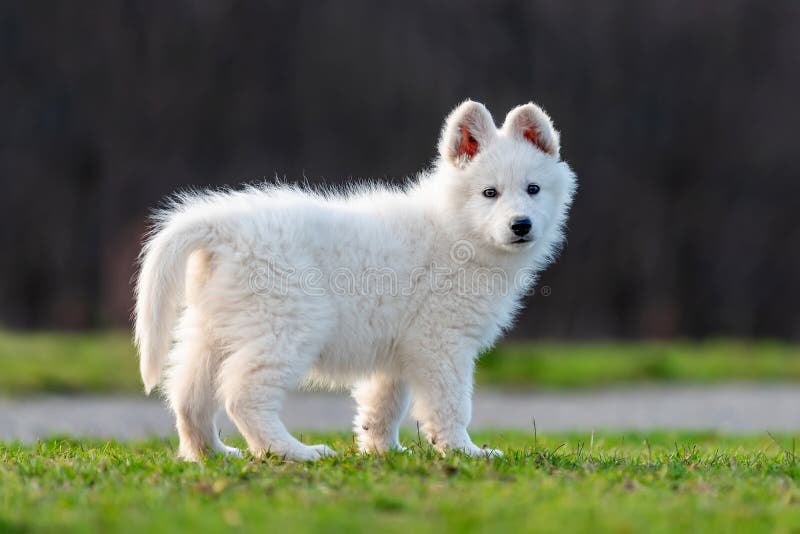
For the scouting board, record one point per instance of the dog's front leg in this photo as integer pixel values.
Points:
(382, 405)
(442, 388)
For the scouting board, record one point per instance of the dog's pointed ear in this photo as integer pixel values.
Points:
(530, 123)
(466, 132)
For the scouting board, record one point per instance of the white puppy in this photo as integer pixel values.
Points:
(391, 291)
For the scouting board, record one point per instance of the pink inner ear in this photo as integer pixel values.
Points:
(468, 145)
(532, 135)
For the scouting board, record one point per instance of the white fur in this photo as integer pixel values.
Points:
(242, 343)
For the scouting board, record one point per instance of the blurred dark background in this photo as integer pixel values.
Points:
(679, 117)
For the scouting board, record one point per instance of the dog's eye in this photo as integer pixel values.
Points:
(490, 192)
(533, 189)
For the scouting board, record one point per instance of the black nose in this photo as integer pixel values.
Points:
(521, 227)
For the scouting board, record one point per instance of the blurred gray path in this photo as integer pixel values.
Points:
(733, 408)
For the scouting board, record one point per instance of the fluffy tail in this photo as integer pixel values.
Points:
(160, 287)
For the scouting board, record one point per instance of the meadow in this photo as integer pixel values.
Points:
(105, 362)
(665, 481)
(658, 482)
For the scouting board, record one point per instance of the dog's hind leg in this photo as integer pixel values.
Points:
(382, 404)
(190, 390)
(253, 382)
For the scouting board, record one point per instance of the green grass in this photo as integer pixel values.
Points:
(67, 363)
(661, 482)
(106, 362)
(580, 365)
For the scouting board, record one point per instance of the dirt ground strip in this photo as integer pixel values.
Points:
(732, 408)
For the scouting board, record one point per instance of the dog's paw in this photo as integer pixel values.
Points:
(372, 449)
(323, 451)
(480, 452)
(398, 449)
(310, 453)
(491, 453)
(194, 456)
(224, 450)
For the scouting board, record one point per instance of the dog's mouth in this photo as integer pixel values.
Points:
(522, 241)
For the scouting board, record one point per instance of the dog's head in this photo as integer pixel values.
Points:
(506, 187)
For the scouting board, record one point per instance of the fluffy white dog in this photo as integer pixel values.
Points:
(394, 292)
